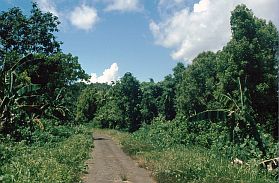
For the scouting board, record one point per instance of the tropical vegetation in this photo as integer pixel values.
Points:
(188, 127)
(39, 138)
(219, 109)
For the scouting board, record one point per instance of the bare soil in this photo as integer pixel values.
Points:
(110, 164)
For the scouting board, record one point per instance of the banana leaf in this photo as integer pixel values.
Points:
(27, 89)
(22, 61)
(211, 115)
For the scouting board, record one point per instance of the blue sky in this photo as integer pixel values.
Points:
(145, 37)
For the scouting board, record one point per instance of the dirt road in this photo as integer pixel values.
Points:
(111, 164)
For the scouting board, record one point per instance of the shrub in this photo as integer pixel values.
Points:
(181, 164)
(53, 132)
(61, 159)
(86, 105)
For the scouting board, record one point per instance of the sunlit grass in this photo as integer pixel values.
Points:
(189, 164)
(197, 165)
(60, 162)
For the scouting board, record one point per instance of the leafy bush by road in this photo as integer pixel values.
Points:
(60, 159)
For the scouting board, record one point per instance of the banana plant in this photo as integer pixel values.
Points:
(56, 107)
(14, 95)
(238, 114)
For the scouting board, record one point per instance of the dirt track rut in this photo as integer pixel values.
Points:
(111, 165)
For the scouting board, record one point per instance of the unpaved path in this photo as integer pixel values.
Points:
(111, 164)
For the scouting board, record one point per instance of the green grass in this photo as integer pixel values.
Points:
(197, 165)
(193, 164)
(53, 162)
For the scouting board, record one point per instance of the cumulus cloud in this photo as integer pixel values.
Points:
(123, 5)
(205, 26)
(84, 17)
(201, 6)
(109, 75)
(48, 6)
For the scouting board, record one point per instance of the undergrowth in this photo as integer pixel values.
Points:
(56, 154)
(185, 164)
(178, 157)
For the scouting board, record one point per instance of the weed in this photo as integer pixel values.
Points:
(123, 176)
(53, 162)
(178, 163)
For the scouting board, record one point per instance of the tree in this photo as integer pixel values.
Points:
(252, 56)
(151, 93)
(170, 84)
(167, 99)
(195, 92)
(178, 71)
(58, 70)
(127, 95)
(21, 34)
(247, 78)
(71, 95)
(87, 105)
(33, 34)
(108, 115)
(238, 114)
(17, 106)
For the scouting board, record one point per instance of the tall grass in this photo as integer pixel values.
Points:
(181, 163)
(52, 162)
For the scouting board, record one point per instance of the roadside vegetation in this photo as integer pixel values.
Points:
(212, 121)
(187, 128)
(40, 141)
(169, 160)
(58, 155)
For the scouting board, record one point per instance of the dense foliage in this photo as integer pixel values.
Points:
(225, 100)
(169, 161)
(223, 105)
(36, 76)
(56, 155)
(158, 149)
(38, 94)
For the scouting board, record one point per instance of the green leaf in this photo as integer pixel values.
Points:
(212, 115)
(22, 61)
(27, 89)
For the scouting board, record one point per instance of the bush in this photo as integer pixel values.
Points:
(164, 134)
(108, 116)
(52, 132)
(191, 163)
(87, 105)
(61, 159)
(161, 133)
(180, 151)
(198, 165)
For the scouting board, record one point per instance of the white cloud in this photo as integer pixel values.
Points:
(205, 26)
(201, 6)
(109, 75)
(267, 9)
(123, 5)
(84, 17)
(48, 6)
